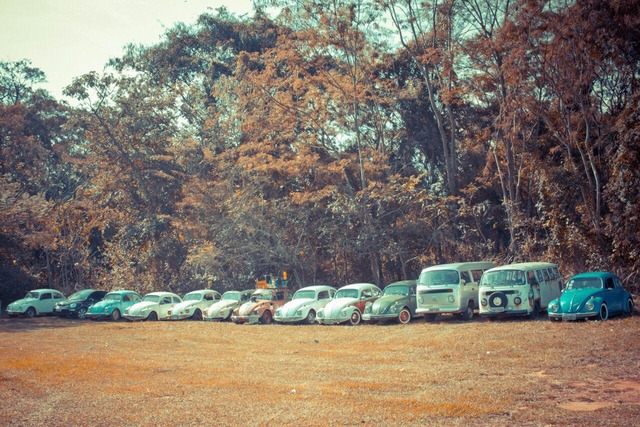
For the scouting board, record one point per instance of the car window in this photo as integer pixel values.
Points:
(531, 278)
(477, 275)
(176, 300)
(135, 298)
(545, 273)
(125, 298)
(539, 276)
(464, 275)
(323, 295)
(412, 290)
(46, 296)
(556, 273)
(367, 293)
(166, 300)
(608, 284)
(617, 282)
(217, 296)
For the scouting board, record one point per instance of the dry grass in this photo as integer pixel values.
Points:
(64, 372)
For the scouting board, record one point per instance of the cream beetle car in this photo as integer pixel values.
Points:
(38, 301)
(194, 304)
(231, 300)
(154, 306)
(305, 304)
(348, 304)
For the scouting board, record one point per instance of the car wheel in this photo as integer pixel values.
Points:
(82, 313)
(629, 310)
(197, 315)
(115, 315)
(229, 316)
(405, 316)
(265, 319)
(603, 314)
(355, 318)
(153, 316)
(467, 314)
(428, 318)
(31, 312)
(311, 318)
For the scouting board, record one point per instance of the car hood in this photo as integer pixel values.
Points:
(216, 306)
(385, 301)
(290, 308)
(573, 300)
(68, 302)
(335, 306)
(100, 305)
(248, 307)
(141, 306)
(185, 304)
(24, 301)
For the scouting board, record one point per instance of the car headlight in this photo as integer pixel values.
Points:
(554, 306)
(589, 305)
(106, 310)
(320, 313)
(394, 308)
(517, 300)
(299, 312)
(73, 305)
(343, 312)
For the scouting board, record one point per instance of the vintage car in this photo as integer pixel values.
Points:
(38, 301)
(305, 304)
(78, 303)
(595, 295)
(348, 304)
(194, 304)
(398, 302)
(113, 305)
(154, 306)
(231, 300)
(262, 304)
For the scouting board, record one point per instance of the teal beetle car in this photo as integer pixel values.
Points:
(594, 295)
(113, 305)
(398, 302)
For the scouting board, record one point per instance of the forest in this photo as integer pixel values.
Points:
(339, 141)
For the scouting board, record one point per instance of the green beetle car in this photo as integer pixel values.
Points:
(113, 305)
(398, 302)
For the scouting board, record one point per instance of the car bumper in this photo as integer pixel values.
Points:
(15, 312)
(368, 317)
(433, 310)
(179, 316)
(254, 318)
(65, 312)
(571, 316)
(503, 312)
(332, 320)
(214, 318)
(135, 316)
(284, 319)
(98, 315)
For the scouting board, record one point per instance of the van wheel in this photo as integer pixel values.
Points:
(603, 314)
(429, 318)
(535, 313)
(405, 316)
(467, 314)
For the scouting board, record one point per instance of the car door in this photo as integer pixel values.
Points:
(164, 307)
(366, 295)
(614, 294)
(45, 303)
(412, 300)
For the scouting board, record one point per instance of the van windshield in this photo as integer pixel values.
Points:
(439, 277)
(503, 278)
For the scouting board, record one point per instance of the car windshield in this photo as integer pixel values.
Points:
(233, 296)
(192, 297)
(32, 294)
(151, 298)
(584, 283)
(262, 296)
(347, 293)
(113, 297)
(81, 295)
(396, 290)
(304, 295)
(439, 277)
(502, 278)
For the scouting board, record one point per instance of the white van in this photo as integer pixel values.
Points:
(522, 289)
(450, 288)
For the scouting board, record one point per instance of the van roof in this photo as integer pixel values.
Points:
(525, 266)
(457, 265)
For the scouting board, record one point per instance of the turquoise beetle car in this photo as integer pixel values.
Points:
(398, 302)
(113, 305)
(594, 295)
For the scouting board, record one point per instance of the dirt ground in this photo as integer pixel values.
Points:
(59, 372)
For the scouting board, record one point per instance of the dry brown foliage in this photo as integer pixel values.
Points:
(514, 372)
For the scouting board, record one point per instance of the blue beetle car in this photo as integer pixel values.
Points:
(113, 305)
(594, 295)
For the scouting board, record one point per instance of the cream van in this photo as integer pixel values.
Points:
(522, 289)
(450, 288)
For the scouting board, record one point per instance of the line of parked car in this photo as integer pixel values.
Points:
(459, 289)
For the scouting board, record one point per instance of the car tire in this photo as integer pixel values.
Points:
(30, 313)
(266, 317)
(82, 313)
(229, 316)
(404, 316)
(355, 318)
(197, 315)
(428, 318)
(115, 315)
(467, 314)
(311, 318)
(153, 316)
(603, 313)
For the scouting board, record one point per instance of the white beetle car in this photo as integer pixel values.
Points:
(222, 309)
(305, 304)
(194, 304)
(348, 304)
(154, 306)
(39, 301)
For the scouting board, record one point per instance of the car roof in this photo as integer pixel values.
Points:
(202, 291)
(317, 288)
(403, 282)
(162, 294)
(46, 290)
(597, 274)
(359, 286)
(459, 265)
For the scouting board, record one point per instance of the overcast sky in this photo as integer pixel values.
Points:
(68, 38)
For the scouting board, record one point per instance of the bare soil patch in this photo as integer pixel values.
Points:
(514, 372)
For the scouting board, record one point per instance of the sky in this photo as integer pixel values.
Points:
(68, 38)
